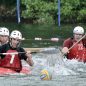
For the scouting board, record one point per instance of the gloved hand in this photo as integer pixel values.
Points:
(65, 50)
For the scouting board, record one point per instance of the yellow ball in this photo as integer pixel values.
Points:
(45, 75)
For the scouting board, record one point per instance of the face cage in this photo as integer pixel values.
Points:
(10, 41)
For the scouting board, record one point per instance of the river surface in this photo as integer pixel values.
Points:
(64, 72)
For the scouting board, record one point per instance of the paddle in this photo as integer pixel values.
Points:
(46, 49)
(41, 39)
(38, 50)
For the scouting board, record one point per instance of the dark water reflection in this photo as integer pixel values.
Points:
(35, 44)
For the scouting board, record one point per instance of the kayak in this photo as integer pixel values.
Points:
(25, 70)
(6, 71)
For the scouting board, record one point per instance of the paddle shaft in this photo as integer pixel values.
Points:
(37, 39)
(41, 39)
(33, 51)
(12, 53)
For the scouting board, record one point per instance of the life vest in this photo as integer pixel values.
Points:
(77, 52)
(11, 61)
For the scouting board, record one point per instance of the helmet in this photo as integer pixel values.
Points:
(16, 34)
(78, 30)
(45, 75)
(4, 31)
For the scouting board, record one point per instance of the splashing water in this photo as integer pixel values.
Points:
(64, 72)
(57, 64)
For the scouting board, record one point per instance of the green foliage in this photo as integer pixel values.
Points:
(7, 7)
(73, 10)
(41, 11)
(82, 14)
(45, 11)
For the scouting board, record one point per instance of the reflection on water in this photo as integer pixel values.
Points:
(65, 72)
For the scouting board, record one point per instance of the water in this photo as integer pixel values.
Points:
(64, 72)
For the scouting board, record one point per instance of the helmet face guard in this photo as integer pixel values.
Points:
(11, 43)
(15, 35)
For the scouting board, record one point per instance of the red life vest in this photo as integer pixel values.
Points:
(78, 52)
(11, 61)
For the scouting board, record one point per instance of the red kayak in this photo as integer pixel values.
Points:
(6, 71)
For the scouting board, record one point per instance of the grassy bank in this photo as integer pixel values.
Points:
(43, 31)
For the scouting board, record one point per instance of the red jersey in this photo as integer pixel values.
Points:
(78, 51)
(12, 61)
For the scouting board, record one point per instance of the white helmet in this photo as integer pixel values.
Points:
(16, 34)
(78, 30)
(4, 31)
